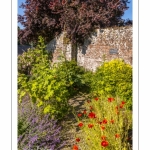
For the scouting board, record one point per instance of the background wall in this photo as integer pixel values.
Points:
(104, 44)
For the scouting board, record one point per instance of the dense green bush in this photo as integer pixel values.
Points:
(74, 77)
(45, 89)
(49, 86)
(114, 78)
(33, 57)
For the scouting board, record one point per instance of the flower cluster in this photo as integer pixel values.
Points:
(107, 124)
(40, 131)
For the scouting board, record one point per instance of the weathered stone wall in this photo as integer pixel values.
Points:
(104, 44)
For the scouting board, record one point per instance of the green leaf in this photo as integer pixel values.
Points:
(47, 109)
(40, 104)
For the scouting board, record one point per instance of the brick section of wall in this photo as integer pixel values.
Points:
(105, 44)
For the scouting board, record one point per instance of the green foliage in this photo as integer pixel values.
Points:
(50, 87)
(33, 57)
(114, 78)
(46, 90)
(22, 126)
(74, 77)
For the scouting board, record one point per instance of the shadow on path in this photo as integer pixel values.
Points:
(70, 128)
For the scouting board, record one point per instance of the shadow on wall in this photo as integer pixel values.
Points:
(22, 48)
(51, 46)
(87, 42)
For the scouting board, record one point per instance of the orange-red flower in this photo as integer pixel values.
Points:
(102, 127)
(117, 135)
(79, 115)
(90, 125)
(104, 143)
(103, 137)
(96, 98)
(75, 147)
(77, 139)
(104, 121)
(112, 121)
(121, 106)
(110, 99)
(92, 115)
(123, 102)
(80, 124)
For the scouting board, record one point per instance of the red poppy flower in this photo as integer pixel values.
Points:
(80, 124)
(112, 121)
(102, 127)
(110, 99)
(92, 115)
(96, 98)
(117, 135)
(104, 143)
(123, 102)
(103, 137)
(77, 139)
(104, 121)
(75, 147)
(79, 115)
(90, 125)
(84, 112)
(121, 106)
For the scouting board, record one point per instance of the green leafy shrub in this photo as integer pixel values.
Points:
(114, 78)
(37, 78)
(74, 76)
(33, 57)
(45, 89)
(52, 86)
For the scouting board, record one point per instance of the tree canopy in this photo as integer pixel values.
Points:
(78, 18)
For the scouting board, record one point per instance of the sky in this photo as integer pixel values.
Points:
(127, 14)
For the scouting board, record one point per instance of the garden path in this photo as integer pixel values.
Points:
(70, 123)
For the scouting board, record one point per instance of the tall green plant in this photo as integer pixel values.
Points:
(33, 57)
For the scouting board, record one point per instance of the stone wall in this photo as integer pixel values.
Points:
(104, 44)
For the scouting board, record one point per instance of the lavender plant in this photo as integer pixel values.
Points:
(37, 131)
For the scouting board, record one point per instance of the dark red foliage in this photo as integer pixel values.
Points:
(37, 20)
(77, 17)
(80, 17)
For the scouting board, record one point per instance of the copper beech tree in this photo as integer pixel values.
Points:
(78, 18)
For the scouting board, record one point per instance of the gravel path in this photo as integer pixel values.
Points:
(70, 124)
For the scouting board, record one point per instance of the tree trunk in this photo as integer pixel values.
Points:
(74, 52)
